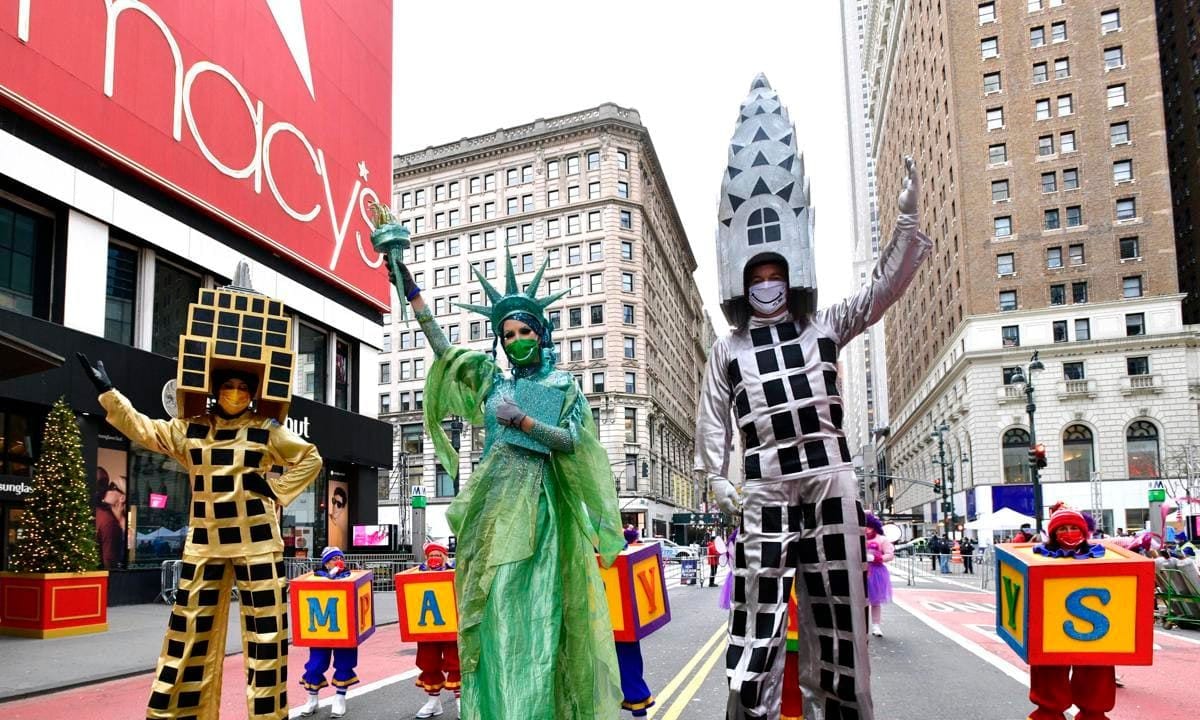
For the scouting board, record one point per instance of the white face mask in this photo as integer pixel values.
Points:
(768, 296)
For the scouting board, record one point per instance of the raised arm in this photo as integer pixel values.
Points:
(898, 264)
(167, 437)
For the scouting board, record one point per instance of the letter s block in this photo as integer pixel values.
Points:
(1067, 611)
(331, 613)
(428, 609)
(636, 590)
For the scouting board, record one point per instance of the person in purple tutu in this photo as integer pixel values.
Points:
(879, 581)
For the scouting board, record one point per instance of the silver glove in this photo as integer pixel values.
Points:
(911, 193)
(728, 497)
(508, 413)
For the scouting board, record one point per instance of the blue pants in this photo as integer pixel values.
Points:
(944, 563)
(633, 682)
(344, 660)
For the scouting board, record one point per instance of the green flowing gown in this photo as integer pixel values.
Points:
(534, 640)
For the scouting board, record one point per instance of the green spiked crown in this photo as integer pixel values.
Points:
(513, 300)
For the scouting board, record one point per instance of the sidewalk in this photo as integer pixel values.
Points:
(130, 647)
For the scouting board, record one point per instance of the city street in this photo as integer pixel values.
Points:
(939, 656)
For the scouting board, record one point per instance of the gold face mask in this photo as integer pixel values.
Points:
(233, 400)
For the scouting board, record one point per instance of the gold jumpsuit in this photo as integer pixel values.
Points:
(233, 536)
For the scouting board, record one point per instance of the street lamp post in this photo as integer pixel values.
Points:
(947, 481)
(1035, 365)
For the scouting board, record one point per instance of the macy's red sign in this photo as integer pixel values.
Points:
(274, 115)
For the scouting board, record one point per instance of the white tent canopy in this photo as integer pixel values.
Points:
(1002, 519)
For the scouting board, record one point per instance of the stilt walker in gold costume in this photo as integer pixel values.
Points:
(237, 352)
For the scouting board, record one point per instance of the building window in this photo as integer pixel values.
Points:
(553, 229)
(598, 382)
(385, 403)
(596, 283)
(574, 254)
(1075, 254)
(120, 294)
(999, 190)
(1066, 142)
(1060, 331)
(1141, 449)
(1074, 216)
(987, 12)
(475, 185)
(551, 198)
(405, 372)
(1062, 68)
(1008, 300)
(1046, 145)
(630, 347)
(597, 348)
(1058, 294)
(622, 160)
(1116, 95)
(997, 154)
(174, 289)
(573, 194)
(489, 210)
(418, 197)
(575, 317)
(1070, 179)
(626, 250)
(1010, 336)
(1079, 292)
(1126, 209)
(418, 400)
(622, 189)
(631, 426)
(1078, 455)
(1066, 105)
(1002, 226)
(312, 357)
(1110, 21)
(475, 329)
(512, 177)
(443, 483)
(1137, 365)
(627, 282)
(576, 351)
(512, 206)
(593, 218)
(1058, 31)
(1050, 219)
(1114, 57)
(995, 118)
(1049, 182)
(1015, 443)
(1005, 264)
(1041, 109)
(1131, 287)
(526, 174)
(1135, 324)
(1130, 248)
(989, 47)
(1118, 133)
(593, 160)
(1054, 258)
(573, 165)
(1037, 36)
(489, 181)
(597, 314)
(627, 314)
(553, 257)
(626, 220)
(1033, 5)
(573, 227)
(1073, 371)
(630, 382)
(1009, 373)
(551, 169)
(1040, 73)
(991, 82)
(593, 190)
(1083, 329)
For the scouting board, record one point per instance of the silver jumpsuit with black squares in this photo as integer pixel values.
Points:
(802, 520)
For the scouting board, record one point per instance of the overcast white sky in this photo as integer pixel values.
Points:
(468, 68)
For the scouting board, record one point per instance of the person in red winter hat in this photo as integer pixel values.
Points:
(437, 660)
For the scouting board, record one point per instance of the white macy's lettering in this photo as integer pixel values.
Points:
(259, 163)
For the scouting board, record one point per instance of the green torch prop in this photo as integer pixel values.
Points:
(390, 239)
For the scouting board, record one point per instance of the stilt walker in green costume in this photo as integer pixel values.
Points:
(535, 641)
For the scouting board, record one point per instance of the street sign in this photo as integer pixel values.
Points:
(416, 490)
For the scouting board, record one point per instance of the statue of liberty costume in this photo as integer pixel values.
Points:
(535, 640)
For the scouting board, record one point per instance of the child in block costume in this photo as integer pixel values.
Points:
(774, 380)
(637, 696)
(232, 395)
(879, 581)
(437, 660)
(344, 659)
(1054, 688)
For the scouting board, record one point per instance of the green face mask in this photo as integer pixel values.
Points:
(523, 353)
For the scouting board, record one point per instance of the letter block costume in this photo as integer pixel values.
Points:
(233, 535)
(801, 517)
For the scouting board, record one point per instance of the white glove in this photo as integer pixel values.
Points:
(912, 188)
(871, 557)
(728, 497)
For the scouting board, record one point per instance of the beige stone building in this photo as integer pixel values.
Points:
(586, 191)
(1038, 129)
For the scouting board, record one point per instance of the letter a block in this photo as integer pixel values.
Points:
(638, 603)
(427, 605)
(332, 613)
(1068, 611)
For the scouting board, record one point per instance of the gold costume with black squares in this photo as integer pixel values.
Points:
(233, 534)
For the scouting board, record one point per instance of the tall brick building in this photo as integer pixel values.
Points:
(1038, 127)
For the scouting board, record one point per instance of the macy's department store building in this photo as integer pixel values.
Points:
(114, 214)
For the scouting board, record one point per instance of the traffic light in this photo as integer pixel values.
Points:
(1037, 455)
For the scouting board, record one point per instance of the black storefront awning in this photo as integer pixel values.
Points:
(339, 434)
(18, 358)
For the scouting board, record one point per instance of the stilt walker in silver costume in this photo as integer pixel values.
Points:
(775, 376)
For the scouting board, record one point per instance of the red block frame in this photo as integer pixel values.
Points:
(349, 586)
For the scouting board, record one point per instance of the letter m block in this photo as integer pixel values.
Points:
(329, 613)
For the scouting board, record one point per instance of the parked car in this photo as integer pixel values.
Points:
(672, 550)
(913, 547)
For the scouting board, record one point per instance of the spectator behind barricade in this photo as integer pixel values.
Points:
(714, 556)
(967, 548)
(1024, 535)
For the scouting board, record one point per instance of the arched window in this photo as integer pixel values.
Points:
(1079, 458)
(763, 227)
(1141, 449)
(1015, 445)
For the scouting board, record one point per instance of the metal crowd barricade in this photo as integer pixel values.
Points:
(384, 567)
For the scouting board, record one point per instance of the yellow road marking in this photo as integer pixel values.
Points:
(660, 700)
(685, 697)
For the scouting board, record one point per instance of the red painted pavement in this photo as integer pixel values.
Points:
(380, 657)
(971, 616)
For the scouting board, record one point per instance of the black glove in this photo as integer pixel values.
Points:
(95, 373)
(406, 285)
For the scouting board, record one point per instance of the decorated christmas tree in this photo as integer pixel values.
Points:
(58, 531)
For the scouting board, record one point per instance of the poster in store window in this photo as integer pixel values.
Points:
(339, 510)
(110, 503)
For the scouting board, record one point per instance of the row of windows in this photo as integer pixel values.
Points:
(513, 233)
(1125, 210)
(1135, 325)
(1131, 287)
(1116, 96)
(1118, 134)
(1142, 452)
(513, 177)
(989, 47)
(1129, 248)
(452, 274)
